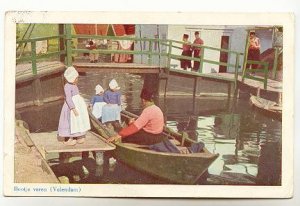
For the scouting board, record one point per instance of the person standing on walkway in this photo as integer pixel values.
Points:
(197, 50)
(253, 50)
(186, 51)
(93, 56)
(74, 119)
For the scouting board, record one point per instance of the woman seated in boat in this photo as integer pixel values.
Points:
(147, 128)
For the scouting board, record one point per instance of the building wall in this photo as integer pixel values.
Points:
(210, 36)
(150, 31)
(237, 43)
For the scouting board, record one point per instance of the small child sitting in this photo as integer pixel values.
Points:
(97, 102)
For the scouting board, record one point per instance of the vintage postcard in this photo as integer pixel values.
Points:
(116, 104)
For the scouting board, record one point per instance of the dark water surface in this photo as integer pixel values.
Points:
(249, 143)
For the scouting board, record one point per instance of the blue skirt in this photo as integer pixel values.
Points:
(111, 112)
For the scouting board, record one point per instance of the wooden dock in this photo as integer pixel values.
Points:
(116, 67)
(24, 71)
(48, 143)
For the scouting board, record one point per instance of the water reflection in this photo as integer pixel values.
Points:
(249, 143)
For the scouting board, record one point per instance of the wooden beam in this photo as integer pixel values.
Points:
(118, 70)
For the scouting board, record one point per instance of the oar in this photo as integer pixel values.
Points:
(167, 131)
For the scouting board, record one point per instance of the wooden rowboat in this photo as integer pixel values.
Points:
(267, 107)
(172, 167)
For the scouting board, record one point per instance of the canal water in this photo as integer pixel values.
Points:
(248, 142)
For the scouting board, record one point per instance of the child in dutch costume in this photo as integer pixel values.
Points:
(97, 102)
(74, 119)
(111, 111)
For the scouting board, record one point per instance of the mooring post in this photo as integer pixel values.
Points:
(195, 87)
(280, 98)
(99, 163)
(38, 93)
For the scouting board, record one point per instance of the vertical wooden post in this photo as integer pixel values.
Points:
(245, 56)
(166, 87)
(38, 93)
(194, 93)
(275, 63)
(195, 87)
(266, 74)
(201, 60)
(229, 89)
(61, 31)
(69, 44)
(280, 98)
(169, 57)
(237, 64)
(150, 53)
(33, 57)
(99, 163)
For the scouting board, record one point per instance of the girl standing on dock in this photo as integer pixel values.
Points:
(112, 97)
(74, 119)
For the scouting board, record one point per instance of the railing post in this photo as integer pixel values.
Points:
(275, 63)
(69, 44)
(245, 56)
(169, 57)
(201, 59)
(150, 53)
(61, 31)
(266, 70)
(237, 64)
(33, 57)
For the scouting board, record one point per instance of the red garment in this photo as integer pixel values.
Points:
(186, 51)
(131, 129)
(151, 120)
(197, 52)
(199, 42)
(253, 52)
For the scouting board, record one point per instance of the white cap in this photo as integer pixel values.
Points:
(99, 89)
(71, 74)
(113, 85)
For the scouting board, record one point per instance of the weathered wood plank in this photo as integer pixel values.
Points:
(49, 143)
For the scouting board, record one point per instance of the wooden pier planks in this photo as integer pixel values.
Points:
(48, 143)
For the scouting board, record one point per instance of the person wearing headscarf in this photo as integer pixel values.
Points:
(112, 97)
(147, 128)
(74, 119)
(186, 51)
(253, 50)
(97, 102)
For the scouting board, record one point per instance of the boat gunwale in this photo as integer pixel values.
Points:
(205, 155)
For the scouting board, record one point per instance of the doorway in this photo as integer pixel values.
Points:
(224, 55)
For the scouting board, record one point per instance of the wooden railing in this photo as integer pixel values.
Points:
(33, 57)
(249, 72)
(168, 53)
